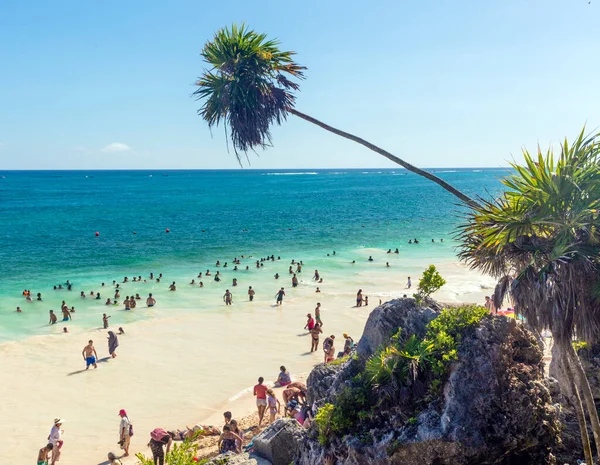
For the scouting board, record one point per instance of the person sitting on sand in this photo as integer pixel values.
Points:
(191, 433)
(273, 405)
(44, 454)
(283, 379)
(236, 430)
(113, 460)
(227, 441)
(121, 330)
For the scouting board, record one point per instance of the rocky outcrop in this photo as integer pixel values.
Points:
(385, 320)
(495, 407)
(279, 443)
(235, 459)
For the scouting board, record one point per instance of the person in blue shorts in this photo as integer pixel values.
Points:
(89, 355)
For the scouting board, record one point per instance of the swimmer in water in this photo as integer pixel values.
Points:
(150, 301)
(105, 320)
(201, 284)
(65, 330)
(387, 264)
(276, 275)
(108, 302)
(234, 283)
(53, 318)
(370, 258)
(172, 287)
(19, 310)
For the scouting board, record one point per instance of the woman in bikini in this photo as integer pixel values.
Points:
(314, 334)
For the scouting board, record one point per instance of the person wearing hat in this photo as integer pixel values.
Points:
(55, 438)
(112, 458)
(124, 430)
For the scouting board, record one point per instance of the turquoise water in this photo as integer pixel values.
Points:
(49, 219)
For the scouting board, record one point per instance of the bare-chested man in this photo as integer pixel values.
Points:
(150, 301)
(251, 294)
(53, 318)
(318, 314)
(89, 355)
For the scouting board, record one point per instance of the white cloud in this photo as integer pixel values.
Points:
(116, 147)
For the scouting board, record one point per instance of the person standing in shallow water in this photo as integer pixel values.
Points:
(279, 296)
(228, 297)
(251, 293)
(359, 298)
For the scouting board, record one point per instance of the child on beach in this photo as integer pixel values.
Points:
(44, 454)
(273, 404)
(236, 430)
(228, 440)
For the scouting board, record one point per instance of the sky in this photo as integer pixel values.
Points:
(107, 84)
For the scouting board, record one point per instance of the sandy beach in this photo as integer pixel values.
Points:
(180, 369)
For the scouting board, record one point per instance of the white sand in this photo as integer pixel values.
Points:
(177, 370)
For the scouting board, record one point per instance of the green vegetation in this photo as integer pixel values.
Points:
(430, 282)
(339, 361)
(578, 345)
(541, 240)
(402, 374)
(250, 87)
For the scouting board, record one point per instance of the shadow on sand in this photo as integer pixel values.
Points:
(100, 360)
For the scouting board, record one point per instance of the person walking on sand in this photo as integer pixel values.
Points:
(310, 323)
(314, 335)
(55, 439)
(318, 314)
(44, 454)
(113, 343)
(105, 320)
(408, 283)
(124, 432)
(251, 293)
(227, 297)
(279, 296)
(260, 391)
(89, 355)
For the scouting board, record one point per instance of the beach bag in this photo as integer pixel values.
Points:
(130, 429)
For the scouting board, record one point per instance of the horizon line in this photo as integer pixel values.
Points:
(259, 169)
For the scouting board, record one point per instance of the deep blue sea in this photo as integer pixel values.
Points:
(48, 221)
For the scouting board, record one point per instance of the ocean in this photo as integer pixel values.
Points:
(49, 221)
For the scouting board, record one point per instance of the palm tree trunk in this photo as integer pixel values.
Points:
(572, 393)
(584, 386)
(464, 198)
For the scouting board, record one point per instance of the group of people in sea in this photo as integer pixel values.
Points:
(293, 396)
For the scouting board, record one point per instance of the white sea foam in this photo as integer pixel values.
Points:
(291, 174)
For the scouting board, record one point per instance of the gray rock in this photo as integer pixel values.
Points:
(233, 459)
(385, 320)
(495, 406)
(279, 443)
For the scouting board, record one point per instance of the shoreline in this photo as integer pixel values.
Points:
(184, 367)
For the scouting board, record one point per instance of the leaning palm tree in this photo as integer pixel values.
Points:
(541, 239)
(250, 86)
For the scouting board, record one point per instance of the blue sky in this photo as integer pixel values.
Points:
(106, 84)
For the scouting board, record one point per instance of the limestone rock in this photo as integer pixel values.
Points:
(495, 406)
(279, 442)
(230, 458)
(385, 320)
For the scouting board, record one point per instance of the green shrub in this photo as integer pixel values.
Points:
(339, 361)
(430, 282)
(180, 454)
(578, 345)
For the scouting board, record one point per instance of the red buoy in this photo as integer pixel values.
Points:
(97, 233)
(167, 230)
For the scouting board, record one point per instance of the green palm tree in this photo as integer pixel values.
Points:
(541, 239)
(250, 86)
